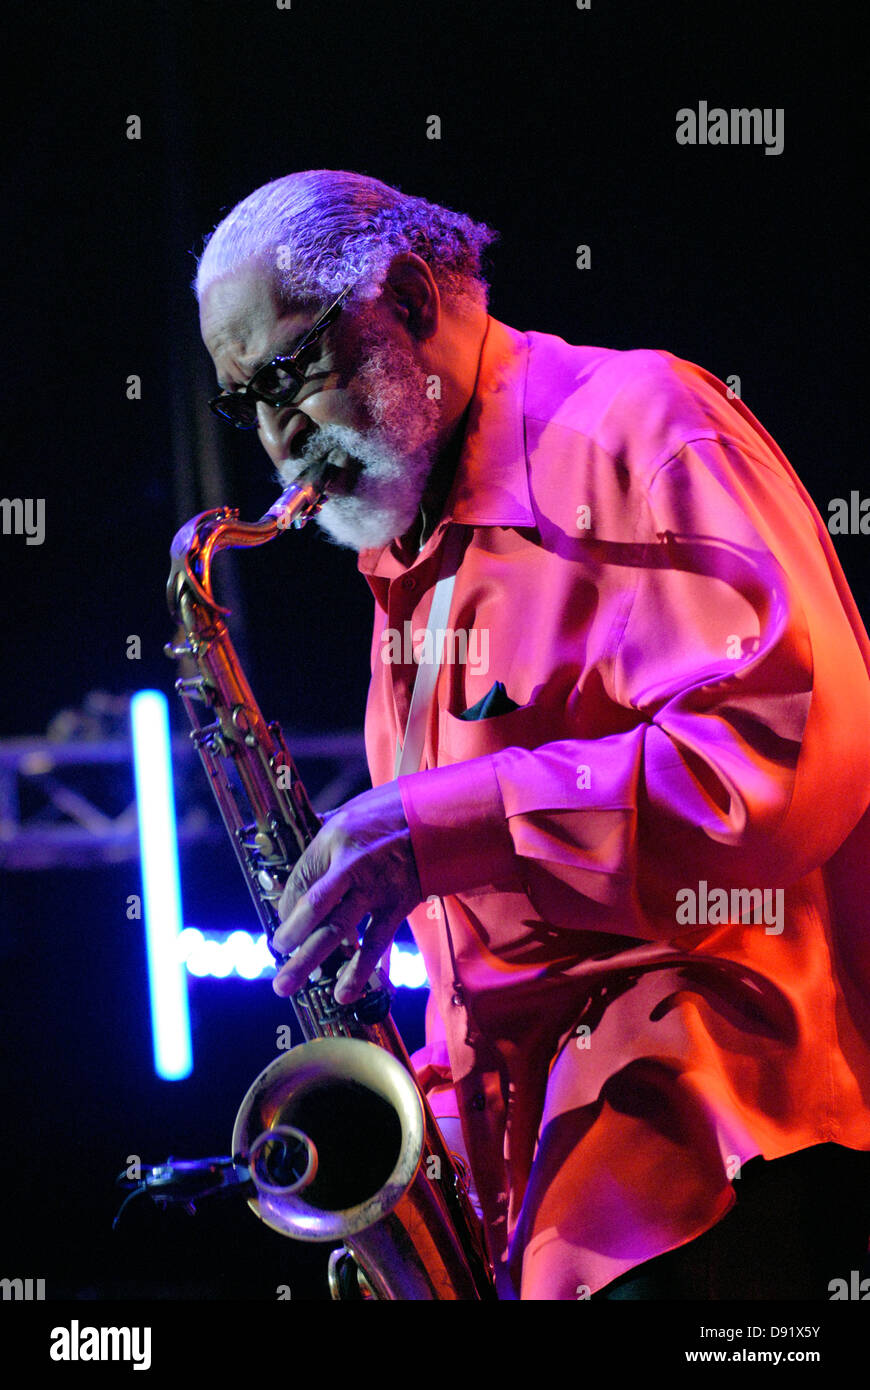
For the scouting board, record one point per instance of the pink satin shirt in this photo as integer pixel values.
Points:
(617, 1019)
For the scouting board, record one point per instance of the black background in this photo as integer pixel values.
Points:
(558, 128)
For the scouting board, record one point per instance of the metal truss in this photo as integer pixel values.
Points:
(71, 804)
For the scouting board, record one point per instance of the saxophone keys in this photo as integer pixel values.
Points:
(241, 718)
(195, 688)
(270, 886)
(211, 736)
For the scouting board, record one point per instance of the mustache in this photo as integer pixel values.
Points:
(322, 461)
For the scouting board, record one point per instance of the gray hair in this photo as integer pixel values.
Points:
(322, 229)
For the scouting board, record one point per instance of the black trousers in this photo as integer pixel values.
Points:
(799, 1223)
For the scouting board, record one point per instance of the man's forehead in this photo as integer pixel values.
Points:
(241, 313)
(234, 305)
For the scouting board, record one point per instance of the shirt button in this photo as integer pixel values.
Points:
(409, 582)
(478, 1101)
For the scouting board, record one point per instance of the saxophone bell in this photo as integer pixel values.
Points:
(380, 1187)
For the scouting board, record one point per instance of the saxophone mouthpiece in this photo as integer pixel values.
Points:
(320, 474)
(304, 497)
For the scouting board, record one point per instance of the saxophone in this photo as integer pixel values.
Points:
(334, 1138)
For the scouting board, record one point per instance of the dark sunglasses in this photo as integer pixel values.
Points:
(278, 381)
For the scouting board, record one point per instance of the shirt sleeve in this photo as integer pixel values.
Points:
(748, 759)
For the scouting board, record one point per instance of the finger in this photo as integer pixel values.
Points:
(353, 977)
(308, 869)
(294, 974)
(328, 900)
(311, 865)
(315, 888)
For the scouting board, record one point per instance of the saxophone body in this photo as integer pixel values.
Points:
(337, 1138)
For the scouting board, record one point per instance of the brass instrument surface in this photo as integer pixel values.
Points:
(412, 1231)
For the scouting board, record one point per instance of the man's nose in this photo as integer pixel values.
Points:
(283, 430)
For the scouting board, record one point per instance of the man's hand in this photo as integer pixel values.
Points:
(360, 863)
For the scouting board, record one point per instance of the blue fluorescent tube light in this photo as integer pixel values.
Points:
(155, 800)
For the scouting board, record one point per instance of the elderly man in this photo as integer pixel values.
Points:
(617, 730)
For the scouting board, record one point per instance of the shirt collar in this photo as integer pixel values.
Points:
(491, 487)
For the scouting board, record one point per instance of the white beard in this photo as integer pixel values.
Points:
(386, 496)
(390, 463)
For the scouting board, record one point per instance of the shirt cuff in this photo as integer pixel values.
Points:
(459, 830)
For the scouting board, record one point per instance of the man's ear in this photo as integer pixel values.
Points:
(411, 291)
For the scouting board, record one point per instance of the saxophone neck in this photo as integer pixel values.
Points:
(205, 535)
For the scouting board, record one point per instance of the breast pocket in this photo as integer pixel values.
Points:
(460, 740)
